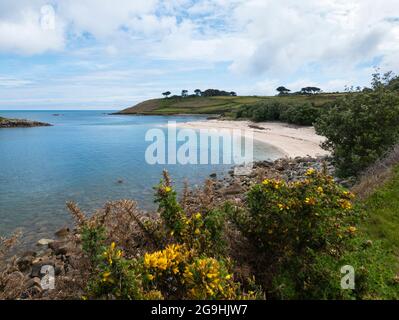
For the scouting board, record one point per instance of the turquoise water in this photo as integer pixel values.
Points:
(81, 158)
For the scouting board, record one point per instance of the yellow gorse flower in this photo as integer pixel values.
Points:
(167, 189)
(266, 182)
(310, 201)
(168, 259)
(110, 254)
(345, 204)
(106, 276)
(282, 206)
(150, 277)
(348, 194)
(352, 229)
(310, 171)
(208, 279)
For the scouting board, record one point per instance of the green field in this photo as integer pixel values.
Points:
(216, 105)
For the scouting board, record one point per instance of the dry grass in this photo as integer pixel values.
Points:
(199, 199)
(11, 280)
(124, 223)
(377, 174)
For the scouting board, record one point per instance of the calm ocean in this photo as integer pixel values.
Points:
(82, 158)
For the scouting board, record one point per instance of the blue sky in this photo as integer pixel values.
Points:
(101, 54)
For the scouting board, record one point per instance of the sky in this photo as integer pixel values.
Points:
(103, 54)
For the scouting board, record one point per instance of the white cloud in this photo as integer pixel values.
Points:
(25, 32)
(13, 82)
(259, 43)
(102, 18)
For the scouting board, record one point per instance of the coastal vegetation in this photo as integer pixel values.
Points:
(361, 126)
(278, 233)
(226, 106)
(301, 114)
(281, 240)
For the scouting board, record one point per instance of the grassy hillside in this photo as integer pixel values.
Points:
(215, 105)
(383, 213)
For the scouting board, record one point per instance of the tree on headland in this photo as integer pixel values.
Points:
(215, 93)
(166, 94)
(198, 92)
(283, 90)
(310, 90)
(233, 94)
(184, 93)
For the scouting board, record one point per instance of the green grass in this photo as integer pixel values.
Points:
(216, 105)
(382, 209)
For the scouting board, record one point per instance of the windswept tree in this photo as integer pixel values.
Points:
(316, 90)
(233, 94)
(310, 90)
(198, 92)
(283, 90)
(215, 93)
(184, 93)
(166, 94)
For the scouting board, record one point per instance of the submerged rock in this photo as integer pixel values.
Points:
(44, 242)
(62, 233)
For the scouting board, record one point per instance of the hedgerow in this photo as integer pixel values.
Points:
(301, 114)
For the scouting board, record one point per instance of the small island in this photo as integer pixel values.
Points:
(21, 123)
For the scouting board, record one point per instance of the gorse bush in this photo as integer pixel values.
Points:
(202, 231)
(361, 127)
(303, 233)
(296, 235)
(116, 277)
(177, 272)
(288, 219)
(300, 114)
(186, 265)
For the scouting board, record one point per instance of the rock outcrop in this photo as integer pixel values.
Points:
(21, 123)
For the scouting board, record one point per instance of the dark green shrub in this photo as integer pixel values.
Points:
(301, 114)
(270, 111)
(360, 128)
(93, 239)
(261, 111)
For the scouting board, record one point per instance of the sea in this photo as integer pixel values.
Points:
(89, 157)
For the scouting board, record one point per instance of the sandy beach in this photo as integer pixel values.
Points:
(292, 141)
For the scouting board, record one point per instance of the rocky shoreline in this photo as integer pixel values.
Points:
(21, 123)
(288, 169)
(64, 254)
